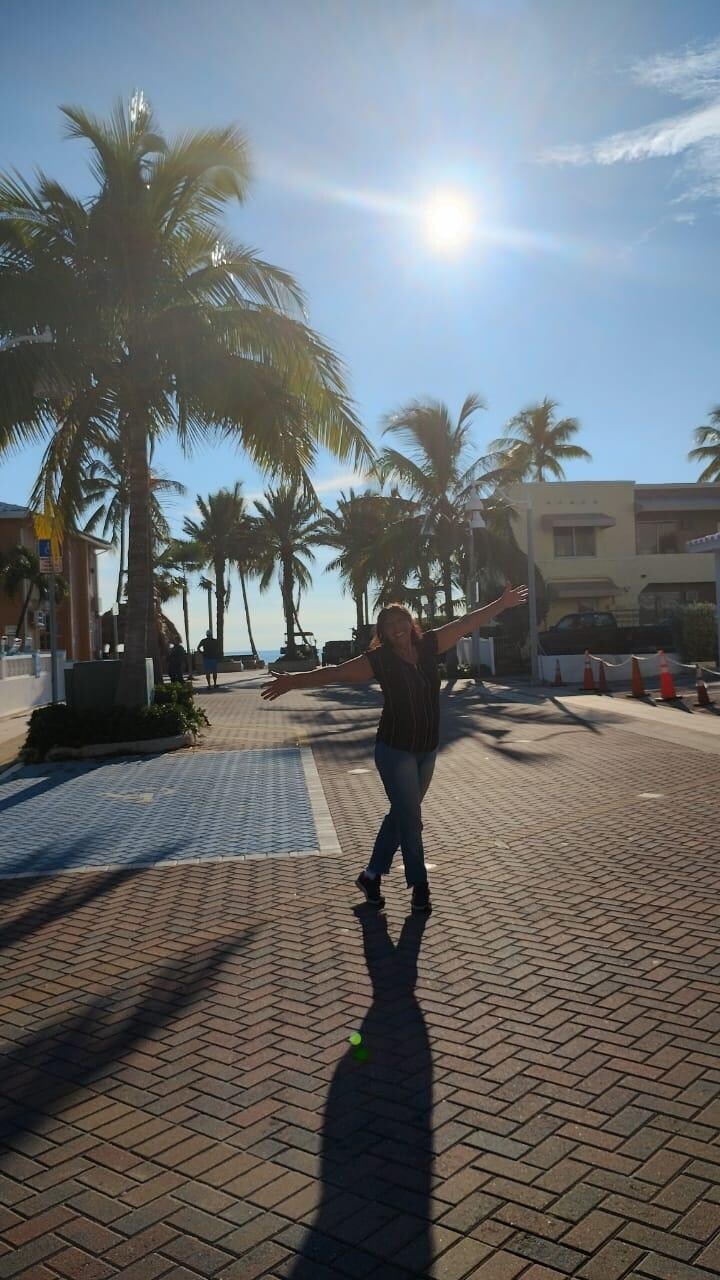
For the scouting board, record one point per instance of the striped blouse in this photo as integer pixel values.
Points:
(410, 719)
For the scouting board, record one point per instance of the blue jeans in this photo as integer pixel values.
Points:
(406, 777)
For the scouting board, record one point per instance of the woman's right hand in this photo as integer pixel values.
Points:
(277, 687)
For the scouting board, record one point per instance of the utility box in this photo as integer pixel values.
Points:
(92, 686)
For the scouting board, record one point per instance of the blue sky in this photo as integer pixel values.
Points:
(585, 137)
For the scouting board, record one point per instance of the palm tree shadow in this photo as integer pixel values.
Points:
(376, 1153)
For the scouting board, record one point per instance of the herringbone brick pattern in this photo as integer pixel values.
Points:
(184, 807)
(537, 1089)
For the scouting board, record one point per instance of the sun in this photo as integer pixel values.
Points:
(448, 221)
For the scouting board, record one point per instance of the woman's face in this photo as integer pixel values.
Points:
(397, 630)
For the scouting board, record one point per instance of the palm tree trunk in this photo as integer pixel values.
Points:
(156, 648)
(220, 604)
(186, 620)
(296, 619)
(23, 612)
(367, 608)
(247, 613)
(288, 609)
(448, 588)
(140, 602)
(209, 604)
(359, 611)
(123, 550)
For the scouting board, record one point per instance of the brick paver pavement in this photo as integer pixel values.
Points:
(536, 1092)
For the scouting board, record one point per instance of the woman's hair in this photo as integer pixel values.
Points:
(382, 617)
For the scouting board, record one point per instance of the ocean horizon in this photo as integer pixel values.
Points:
(268, 655)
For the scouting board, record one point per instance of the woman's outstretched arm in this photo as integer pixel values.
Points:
(449, 635)
(356, 671)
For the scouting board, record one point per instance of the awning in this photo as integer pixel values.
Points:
(582, 520)
(652, 587)
(584, 587)
(681, 497)
(710, 543)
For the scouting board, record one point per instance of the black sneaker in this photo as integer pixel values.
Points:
(421, 898)
(370, 886)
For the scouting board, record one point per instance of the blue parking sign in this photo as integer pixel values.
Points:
(44, 551)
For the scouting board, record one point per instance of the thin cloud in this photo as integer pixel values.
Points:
(690, 75)
(331, 484)
(695, 135)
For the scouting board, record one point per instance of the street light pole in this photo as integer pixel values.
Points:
(474, 510)
(53, 632)
(532, 601)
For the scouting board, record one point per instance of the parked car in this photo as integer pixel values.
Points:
(600, 632)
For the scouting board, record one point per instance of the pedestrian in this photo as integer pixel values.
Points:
(177, 663)
(210, 650)
(404, 661)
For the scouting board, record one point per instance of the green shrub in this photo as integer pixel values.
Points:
(173, 712)
(697, 627)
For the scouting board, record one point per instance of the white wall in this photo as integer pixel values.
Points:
(21, 689)
(618, 667)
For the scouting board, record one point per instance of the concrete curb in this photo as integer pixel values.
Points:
(143, 747)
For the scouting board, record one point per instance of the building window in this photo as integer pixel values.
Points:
(657, 539)
(657, 606)
(575, 541)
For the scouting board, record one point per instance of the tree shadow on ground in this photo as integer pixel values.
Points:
(44, 1070)
(376, 1154)
(45, 779)
(76, 892)
(460, 717)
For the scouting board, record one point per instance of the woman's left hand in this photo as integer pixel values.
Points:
(513, 596)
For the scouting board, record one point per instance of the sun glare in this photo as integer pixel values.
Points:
(448, 221)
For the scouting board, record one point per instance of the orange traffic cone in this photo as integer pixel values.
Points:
(558, 681)
(588, 682)
(667, 684)
(602, 684)
(703, 698)
(638, 688)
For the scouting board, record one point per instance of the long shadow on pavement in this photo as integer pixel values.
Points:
(82, 889)
(44, 1070)
(456, 708)
(377, 1135)
(53, 777)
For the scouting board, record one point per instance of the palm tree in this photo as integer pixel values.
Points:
(20, 571)
(208, 587)
(432, 473)
(401, 554)
(106, 486)
(177, 559)
(161, 326)
(707, 450)
(536, 444)
(290, 524)
(217, 539)
(244, 557)
(354, 529)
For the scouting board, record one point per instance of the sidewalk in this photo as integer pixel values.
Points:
(536, 1090)
(13, 731)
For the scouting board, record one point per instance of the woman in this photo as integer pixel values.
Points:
(404, 661)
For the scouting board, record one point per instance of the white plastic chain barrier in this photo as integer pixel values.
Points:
(648, 657)
(694, 666)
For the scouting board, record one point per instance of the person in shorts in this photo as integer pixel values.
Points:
(210, 650)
